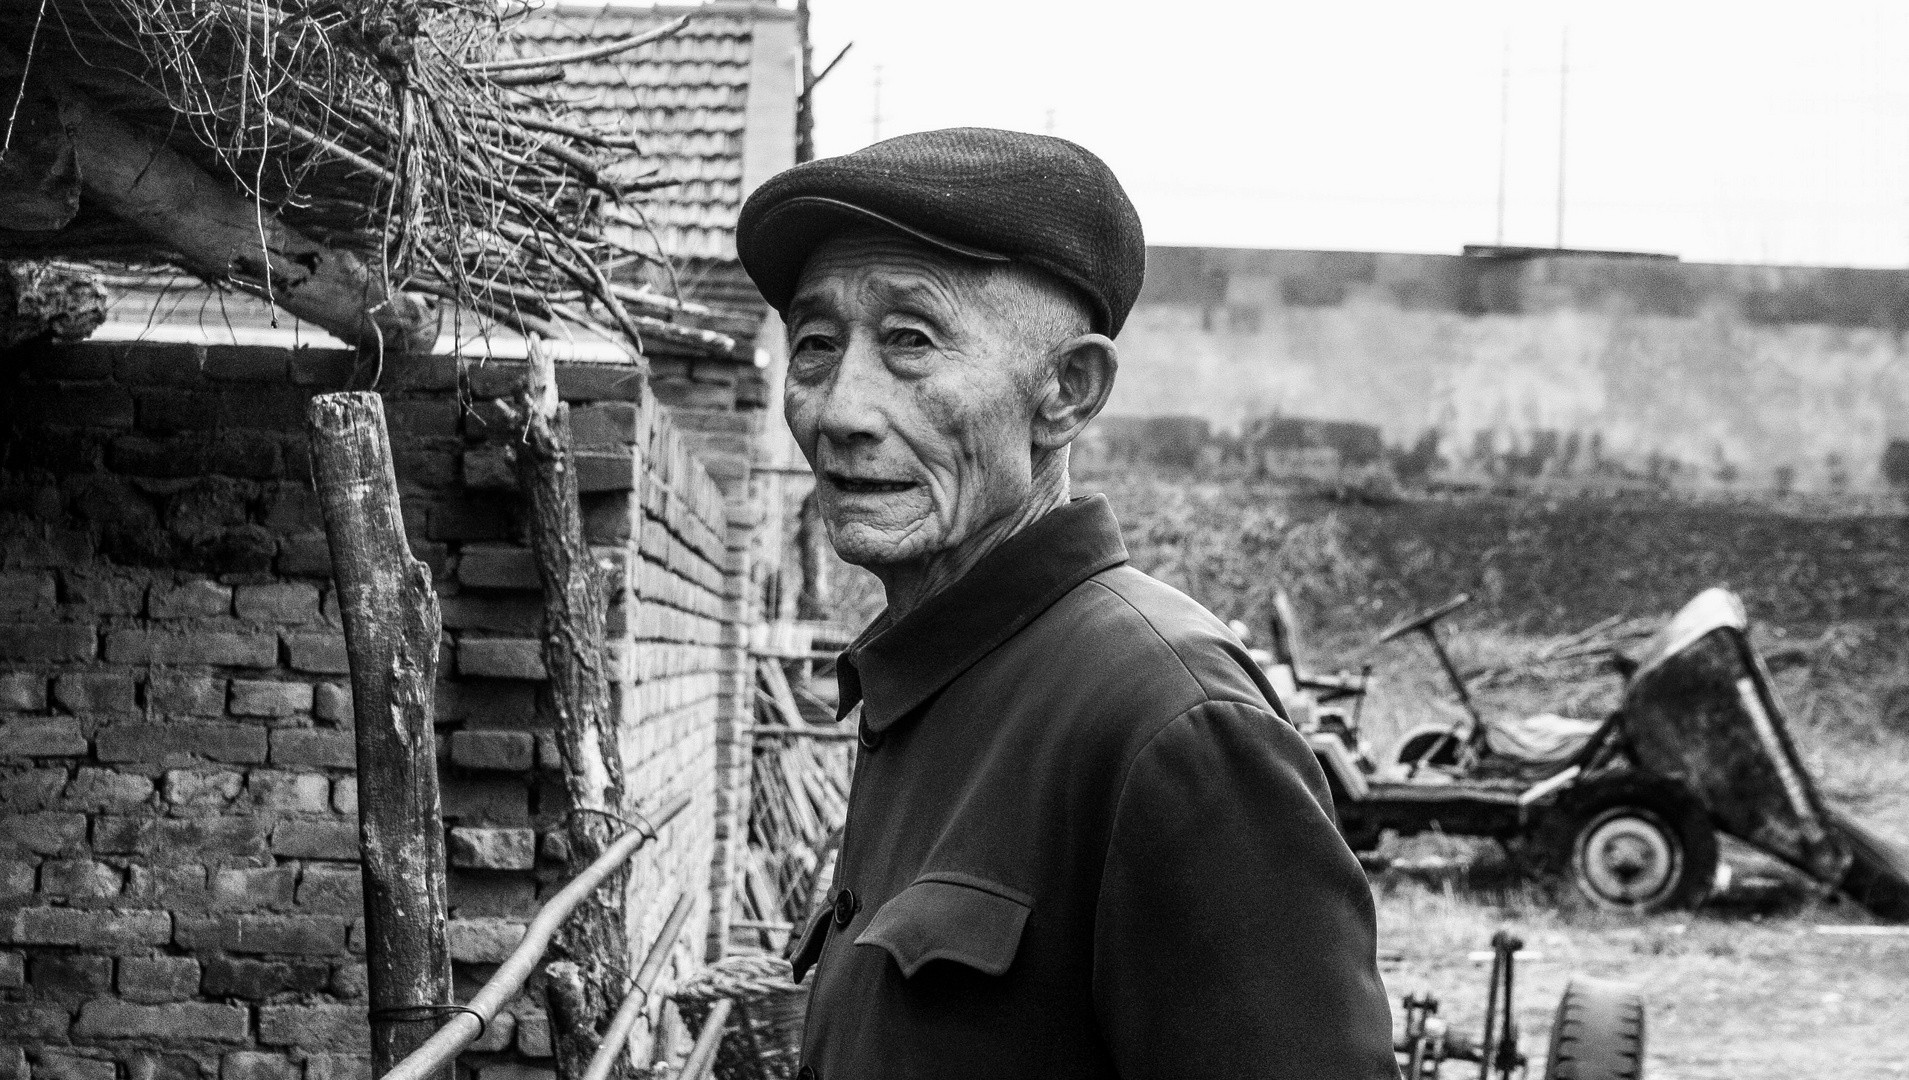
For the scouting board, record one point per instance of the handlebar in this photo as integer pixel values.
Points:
(1425, 618)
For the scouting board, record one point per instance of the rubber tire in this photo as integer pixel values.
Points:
(1597, 1033)
(1687, 821)
(1878, 876)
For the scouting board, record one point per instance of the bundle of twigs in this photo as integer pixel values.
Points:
(798, 801)
(1593, 644)
(400, 130)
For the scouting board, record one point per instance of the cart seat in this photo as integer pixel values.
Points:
(1545, 738)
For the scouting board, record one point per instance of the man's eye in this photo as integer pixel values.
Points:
(813, 343)
(905, 338)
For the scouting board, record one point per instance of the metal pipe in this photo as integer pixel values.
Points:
(631, 1010)
(458, 1032)
(702, 1058)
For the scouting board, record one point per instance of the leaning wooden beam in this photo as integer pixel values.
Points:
(220, 234)
(392, 627)
(583, 999)
(701, 1061)
(463, 1028)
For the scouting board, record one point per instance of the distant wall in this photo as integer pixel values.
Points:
(179, 881)
(1706, 375)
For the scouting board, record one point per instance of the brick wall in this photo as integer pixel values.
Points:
(179, 897)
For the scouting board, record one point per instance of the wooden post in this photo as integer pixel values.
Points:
(392, 628)
(585, 991)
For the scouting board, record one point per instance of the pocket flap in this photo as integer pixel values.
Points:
(808, 948)
(958, 917)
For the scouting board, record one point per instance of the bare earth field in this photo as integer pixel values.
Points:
(1746, 987)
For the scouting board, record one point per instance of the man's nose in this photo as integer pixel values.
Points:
(853, 410)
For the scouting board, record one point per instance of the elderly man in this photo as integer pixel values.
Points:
(1082, 840)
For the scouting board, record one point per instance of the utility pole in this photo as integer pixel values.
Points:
(1504, 131)
(875, 117)
(1564, 83)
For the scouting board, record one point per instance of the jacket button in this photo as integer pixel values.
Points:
(846, 905)
(870, 738)
(807, 1072)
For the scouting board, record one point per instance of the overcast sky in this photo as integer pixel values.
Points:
(1748, 131)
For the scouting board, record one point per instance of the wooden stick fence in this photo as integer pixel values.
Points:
(462, 1029)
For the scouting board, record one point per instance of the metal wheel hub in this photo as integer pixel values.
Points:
(1628, 857)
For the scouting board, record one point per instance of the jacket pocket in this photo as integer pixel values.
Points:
(808, 948)
(951, 916)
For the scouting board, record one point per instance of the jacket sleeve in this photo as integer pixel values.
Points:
(1234, 933)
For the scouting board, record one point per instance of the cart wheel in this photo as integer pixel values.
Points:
(1597, 1033)
(1638, 845)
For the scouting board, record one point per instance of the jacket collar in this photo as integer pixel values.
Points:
(892, 668)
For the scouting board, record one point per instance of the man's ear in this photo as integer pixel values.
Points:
(1081, 376)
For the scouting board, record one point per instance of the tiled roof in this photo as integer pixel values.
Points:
(684, 99)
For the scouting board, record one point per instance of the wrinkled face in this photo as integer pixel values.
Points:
(911, 391)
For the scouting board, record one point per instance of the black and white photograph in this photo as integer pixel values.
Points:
(1005, 540)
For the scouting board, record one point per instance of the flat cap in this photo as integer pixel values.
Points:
(980, 193)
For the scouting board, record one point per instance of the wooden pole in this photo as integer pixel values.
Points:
(585, 988)
(392, 628)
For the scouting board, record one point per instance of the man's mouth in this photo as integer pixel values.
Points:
(866, 485)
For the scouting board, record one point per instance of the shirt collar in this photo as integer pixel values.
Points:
(892, 668)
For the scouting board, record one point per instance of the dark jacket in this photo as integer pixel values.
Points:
(1083, 841)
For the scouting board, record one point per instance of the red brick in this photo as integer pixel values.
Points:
(489, 468)
(55, 1065)
(180, 741)
(284, 602)
(416, 372)
(305, 554)
(598, 471)
(490, 801)
(332, 888)
(218, 648)
(247, 363)
(70, 976)
(106, 789)
(178, 841)
(23, 691)
(26, 591)
(202, 789)
(509, 613)
(428, 416)
(314, 747)
(168, 411)
(104, 593)
(256, 980)
(245, 888)
(32, 789)
(23, 737)
(186, 695)
(484, 893)
(332, 702)
(483, 940)
(195, 599)
(180, 1022)
(94, 693)
(296, 792)
(45, 832)
(176, 888)
(47, 641)
(101, 405)
(324, 369)
(344, 795)
(298, 839)
(501, 658)
(79, 878)
(167, 363)
(505, 751)
(320, 654)
(258, 1065)
(153, 979)
(314, 1027)
(269, 697)
(44, 1023)
(95, 929)
(317, 935)
(491, 849)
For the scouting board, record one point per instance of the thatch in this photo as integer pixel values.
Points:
(386, 128)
